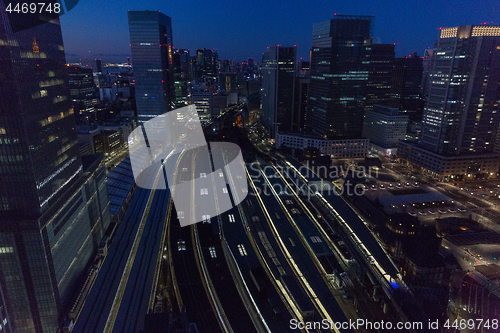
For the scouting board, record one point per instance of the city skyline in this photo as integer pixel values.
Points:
(328, 173)
(241, 31)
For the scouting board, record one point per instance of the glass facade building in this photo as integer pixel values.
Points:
(461, 113)
(379, 63)
(338, 76)
(152, 59)
(278, 82)
(48, 223)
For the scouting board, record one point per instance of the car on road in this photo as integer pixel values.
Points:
(382, 186)
(391, 186)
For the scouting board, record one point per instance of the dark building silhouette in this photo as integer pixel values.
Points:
(303, 68)
(181, 67)
(206, 63)
(338, 76)
(406, 87)
(278, 83)
(379, 63)
(300, 98)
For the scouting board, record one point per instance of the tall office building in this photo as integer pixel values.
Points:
(300, 99)
(180, 60)
(406, 86)
(52, 208)
(206, 62)
(82, 90)
(378, 61)
(151, 46)
(338, 76)
(278, 80)
(461, 114)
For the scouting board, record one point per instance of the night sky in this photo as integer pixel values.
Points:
(242, 29)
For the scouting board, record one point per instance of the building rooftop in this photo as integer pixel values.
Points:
(119, 182)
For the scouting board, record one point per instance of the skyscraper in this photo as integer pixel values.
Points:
(379, 63)
(338, 76)
(151, 46)
(82, 90)
(206, 62)
(278, 80)
(406, 87)
(52, 208)
(461, 114)
(180, 60)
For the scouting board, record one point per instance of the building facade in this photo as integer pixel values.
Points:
(342, 148)
(83, 93)
(378, 61)
(300, 99)
(151, 46)
(180, 59)
(461, 114)
(384, 126)
(50, 219)
(338, 76)
(449, 168)
(278, 81)
(406, 86)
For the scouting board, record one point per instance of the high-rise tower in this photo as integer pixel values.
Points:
(278, 79)
(461, 112)
(337, 91)
(151, 45)
(52, 207)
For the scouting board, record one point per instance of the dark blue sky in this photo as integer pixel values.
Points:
(242, 29)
